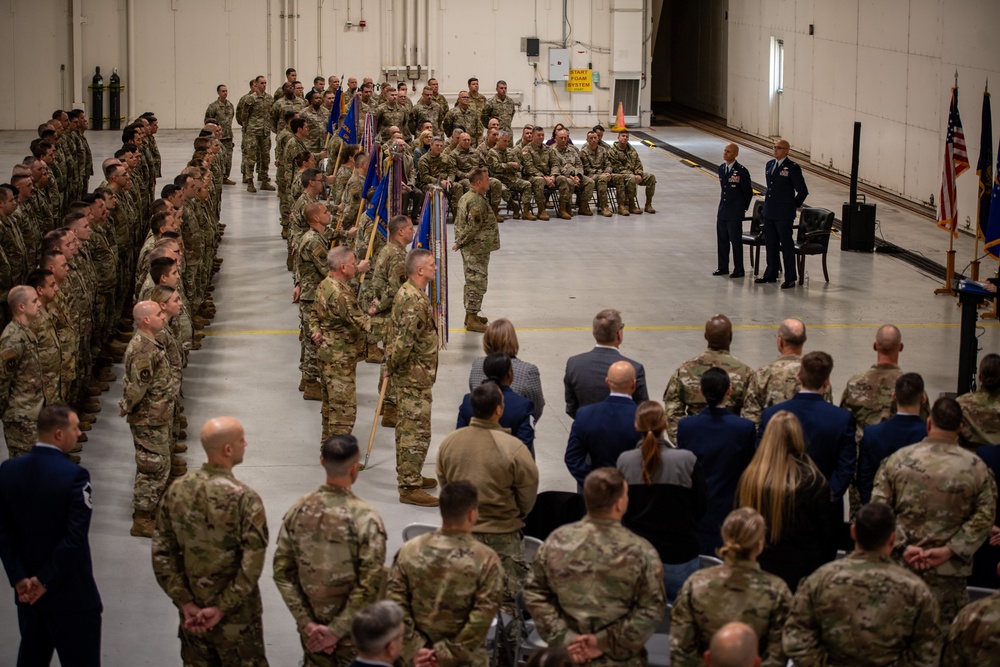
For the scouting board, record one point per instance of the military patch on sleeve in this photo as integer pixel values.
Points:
(88, 497)
(145, 374)
(9, 359)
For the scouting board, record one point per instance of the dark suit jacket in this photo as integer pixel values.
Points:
(786, 190)
(829, 434)
(518, 416)
(584, 378)
(724, 445)
(601, 431)
(737, 192)
(45, 510)
(881, 440)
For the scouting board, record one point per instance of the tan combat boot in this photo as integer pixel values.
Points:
(517, 210)
(178, 466)
(585, 210)
(266, 185)
(142, 524)
(542, 213)
(250, 187)
(428, 483)
(528, 215)
(633, 207)
(649, 205)
(181, 447)
(228, 181)
(313, 391)
(496, 214)
(418, 497)
(473, 324)
(564, 211)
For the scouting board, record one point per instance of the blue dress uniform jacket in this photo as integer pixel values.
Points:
(518, 416)
(786, 190)
(881, 440)
(737, 192)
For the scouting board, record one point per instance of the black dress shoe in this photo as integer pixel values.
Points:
(736, 274)
(765, 280)
(788, 284)
(720, 272)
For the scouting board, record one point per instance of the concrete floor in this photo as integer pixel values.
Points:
(549, 279)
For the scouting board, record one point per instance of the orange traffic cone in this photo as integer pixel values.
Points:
(620, 120)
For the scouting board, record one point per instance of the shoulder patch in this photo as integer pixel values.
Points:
(88, 496)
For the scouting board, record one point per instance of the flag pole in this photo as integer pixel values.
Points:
(336, 167)
(949, 275)
(378, 411)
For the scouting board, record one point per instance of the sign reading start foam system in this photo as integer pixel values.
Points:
(580, 81)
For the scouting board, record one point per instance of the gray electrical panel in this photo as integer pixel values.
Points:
(558, 64)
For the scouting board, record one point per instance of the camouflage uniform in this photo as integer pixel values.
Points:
(868, 395)
(449, 587)
(49, 356)
(388, 276)
(570, 165)
(433, 168)
(370, 234)
(389, 115)
(505, 166)
(257, 136)
(738, 591)
(775, 383)
(222, 113)
(465, 161)
(478, 102)
(980, 418)
(596, 577)
(310, 269)
(12, 242)
(476, 236)
(943, 495)
(683, 396)
(316, 121)
(148, 395)
(541, 161)
(411, 361)
(626, 161)
(421, 112)
(863, 610)
(209, 549)
(351, 199)
(242, 118)
(597, 165)
(330, 563)
(339, 183)
(337, 315)
(467, 118)
(22, 393)
(974, 637)
(503, 110)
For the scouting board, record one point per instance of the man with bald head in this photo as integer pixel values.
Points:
(779, 380)
(734, 645)
(21, 388)
(683, 396)
(149, 392)
(737, 193)
(209, 551)
(602, 431)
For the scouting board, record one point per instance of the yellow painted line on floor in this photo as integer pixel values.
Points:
(658, 327)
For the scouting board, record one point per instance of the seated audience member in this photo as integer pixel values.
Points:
(974, 637)
(734, 645)
(501, 336)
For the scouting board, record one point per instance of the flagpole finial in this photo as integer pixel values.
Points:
(956, 78)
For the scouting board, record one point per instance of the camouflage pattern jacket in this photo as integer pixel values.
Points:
(476, 228)
(148, 385)
(683, 396)
(412, 355)
(22, 393)
(337, 315)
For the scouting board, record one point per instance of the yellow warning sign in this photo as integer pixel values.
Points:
(580, 81)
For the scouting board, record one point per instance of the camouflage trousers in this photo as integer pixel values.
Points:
(519, 188)
(476, 266)
(602, 181)
(648, 181)
(340, 398)
(364, 238)
(227, 156)
(308, 360)
(950, 592)
(21, 434)
(413, 435)
(229, 644)
(585, 190)
(510, 548)
(256, 152)
(152, 465)
(562, 184)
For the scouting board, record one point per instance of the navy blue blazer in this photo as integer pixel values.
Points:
(829, 434)
(585, 374)
(737, 192)
(881, 440)
(518, 416)
(601, 431)
(45, 510)
(786, 190)
(724, 445)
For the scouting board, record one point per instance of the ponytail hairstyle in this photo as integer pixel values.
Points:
(742, 532)
(496, 368)
(651, 422)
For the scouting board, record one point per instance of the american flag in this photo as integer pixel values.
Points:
(956, 163)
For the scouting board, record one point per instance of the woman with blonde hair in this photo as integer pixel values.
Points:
(737, 590)
(501, 336)
(786, 487)
(667, 496)
(423, 146)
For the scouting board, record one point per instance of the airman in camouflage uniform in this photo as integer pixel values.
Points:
(22, 393)
(221, 112)
(571, 168)
(974, 637)
(476, 236)
(330, 559)
(863, 609)
(433, 168)
(466, 160)
(500, 107)
(338, 327)
(504, 164)
(945, 500)
(392, 114)
(350, 203)
(242, 116)
(541, 167)
(736, 591)
(426, 109)
(625, 160)
(981, 408)
(311, 268)
(148, 403)
(47, 336)
(597, 166)
(411, 365)
(596, 587)
(683, 396)
(449, 586)
(778, 381)
(316, 116)
(257, 128)
(208, 553)
(466, 115)
(477, 100)
(489, 142)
